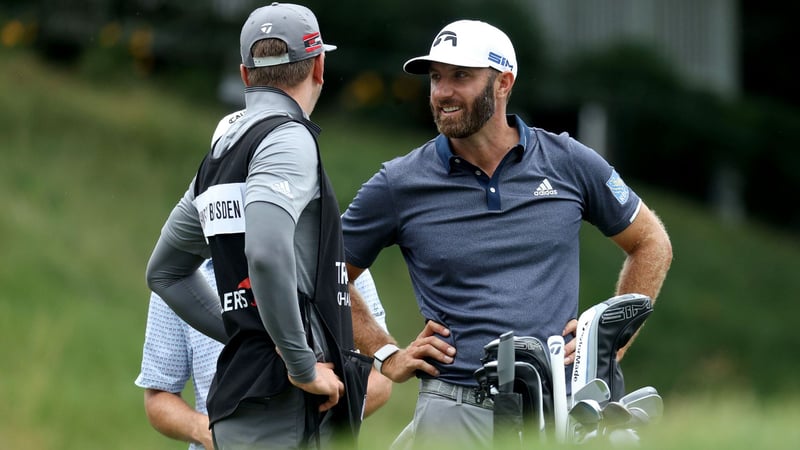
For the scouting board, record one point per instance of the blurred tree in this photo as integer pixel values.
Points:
(658, 127)
(769, 35)
(376, 39)
(364, 76)
(665, 133)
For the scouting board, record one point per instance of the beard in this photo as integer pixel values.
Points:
(475, 115)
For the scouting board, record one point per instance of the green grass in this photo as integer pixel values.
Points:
(89, 172)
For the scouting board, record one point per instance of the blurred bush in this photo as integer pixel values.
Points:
(666, 133)
(659, 128)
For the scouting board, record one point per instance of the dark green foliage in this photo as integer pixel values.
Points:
(90, 172)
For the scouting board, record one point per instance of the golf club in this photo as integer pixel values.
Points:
(638, 417)
(652, 404)
(586, 412)
(615, 415)
(507, 403)
(556, 346)
(638, 393)
(505, 362)
(595, 389)
(602, 330)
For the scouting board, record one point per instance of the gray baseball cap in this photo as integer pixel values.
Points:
(293, 24)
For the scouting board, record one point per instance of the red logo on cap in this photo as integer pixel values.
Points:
(312, 42)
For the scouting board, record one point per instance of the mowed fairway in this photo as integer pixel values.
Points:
(89, 172)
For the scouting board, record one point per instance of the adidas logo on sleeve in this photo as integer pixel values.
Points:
(282, 187)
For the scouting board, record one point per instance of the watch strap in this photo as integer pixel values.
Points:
(382, 355)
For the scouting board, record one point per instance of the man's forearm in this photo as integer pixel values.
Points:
(379, 390)
(642, 276)
(645, 268)
(171, 416)
(649, 257)
(369, 336)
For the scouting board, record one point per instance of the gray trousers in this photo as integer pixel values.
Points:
(274, 423)
(447, 421)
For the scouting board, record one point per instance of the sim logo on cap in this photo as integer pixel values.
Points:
(500, 60)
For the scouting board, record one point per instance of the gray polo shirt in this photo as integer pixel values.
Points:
(490, 254)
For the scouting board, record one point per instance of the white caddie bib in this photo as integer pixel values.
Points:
(221, 209)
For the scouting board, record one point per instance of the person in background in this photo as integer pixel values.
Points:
(487, 216)
(174, 353)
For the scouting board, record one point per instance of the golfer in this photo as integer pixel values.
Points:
(487, 216)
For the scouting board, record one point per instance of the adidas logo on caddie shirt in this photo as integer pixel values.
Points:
(282, 187)
(545, 189)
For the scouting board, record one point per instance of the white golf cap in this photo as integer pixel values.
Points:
(468, 43)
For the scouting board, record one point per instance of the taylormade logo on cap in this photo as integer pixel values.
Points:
(295, 25)
(468, 43)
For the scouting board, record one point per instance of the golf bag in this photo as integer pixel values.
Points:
(531, 378)
(602, 330)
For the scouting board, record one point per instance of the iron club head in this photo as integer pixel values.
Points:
(586, 412)
(596, 389)
(615, 415)
(651, 404)
(637, 394)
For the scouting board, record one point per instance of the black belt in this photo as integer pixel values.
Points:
(454, 392)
